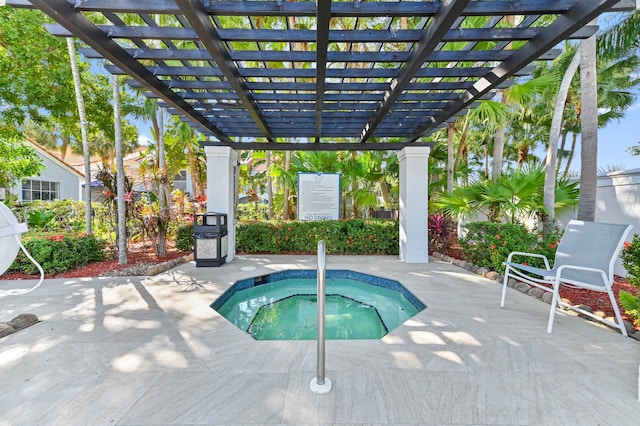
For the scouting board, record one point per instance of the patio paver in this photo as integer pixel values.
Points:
(141, 351)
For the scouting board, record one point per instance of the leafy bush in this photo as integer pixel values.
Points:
(59, 215)
(58, 253)
(251, 211)
(358, 236)
(631, 260)
(631, 304)
(488, 244)
(184, 237)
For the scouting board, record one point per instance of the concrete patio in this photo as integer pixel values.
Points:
(142, 351)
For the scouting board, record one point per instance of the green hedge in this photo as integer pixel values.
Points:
(356, 236)
(58, 252)
(488, 244)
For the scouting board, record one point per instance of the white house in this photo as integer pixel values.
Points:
(57, 181)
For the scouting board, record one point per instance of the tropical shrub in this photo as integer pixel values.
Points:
(60, 215)
(58, 252)
(514, 197)
(631, 260)
(439, 232)
(631, 304)
(184, 237)
(488, 244)
(357, 236)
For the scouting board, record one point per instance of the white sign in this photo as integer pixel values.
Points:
(318, 196)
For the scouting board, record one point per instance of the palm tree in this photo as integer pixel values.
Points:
(120, 178)
(83, 130)
(622, 40)
(150, 111)
(514, 197)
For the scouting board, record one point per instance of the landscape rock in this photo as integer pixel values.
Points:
(18, 323)
(631, 331)
(547, 297)
(23, 321)
(522, 287)
(5, 329)
(492, 275)
(536, 292)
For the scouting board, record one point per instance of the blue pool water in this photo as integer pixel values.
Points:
(283, 306)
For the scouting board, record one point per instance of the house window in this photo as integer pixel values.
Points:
(180, 181)
(40, 190)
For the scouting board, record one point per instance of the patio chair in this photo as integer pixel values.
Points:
(585, 259)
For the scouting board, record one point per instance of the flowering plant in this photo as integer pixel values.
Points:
(631, 260)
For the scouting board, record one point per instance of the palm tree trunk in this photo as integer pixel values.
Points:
(285, 205)
(384, 191)
(163, 192)
(498, 152)
(562, 149)
(574, 140)
(552, 151)
(269, 185)
(120, 187)
(193, 170)
(83, 131)
(589, 139)
(451, 131)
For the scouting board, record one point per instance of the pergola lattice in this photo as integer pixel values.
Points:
(374, 74)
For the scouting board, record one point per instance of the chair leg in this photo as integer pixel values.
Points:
(616, 309)
(554, 303)
(504, 286)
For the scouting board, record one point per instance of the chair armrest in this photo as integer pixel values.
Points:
(521, 253)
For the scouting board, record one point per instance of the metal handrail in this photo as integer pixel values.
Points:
(321, 384)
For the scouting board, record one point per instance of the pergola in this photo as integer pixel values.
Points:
(323, 75)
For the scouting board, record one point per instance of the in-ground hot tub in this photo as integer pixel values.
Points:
(283, 305)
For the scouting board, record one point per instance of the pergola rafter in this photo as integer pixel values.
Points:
(270, 72)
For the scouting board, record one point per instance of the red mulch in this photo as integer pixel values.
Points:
(138, 254)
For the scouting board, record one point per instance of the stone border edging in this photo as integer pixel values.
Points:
(165, 266)
(524, 288)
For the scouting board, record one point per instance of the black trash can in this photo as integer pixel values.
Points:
(210, 244)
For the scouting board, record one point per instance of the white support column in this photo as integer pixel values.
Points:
(414, 191)
(222, 165)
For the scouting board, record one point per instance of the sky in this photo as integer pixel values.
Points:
(617, 137)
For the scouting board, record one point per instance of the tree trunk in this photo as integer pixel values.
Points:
(552, 151)
(163, 192)
(193, 170)
(120, 183)
(574, 140)
(451, 131)
(498, 152)
(589, 123)
(269, 185)
(562, 149)
(285, 205)
(83, 131)
(384, 191)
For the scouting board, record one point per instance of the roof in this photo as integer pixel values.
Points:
(306, 74)
(55, 157)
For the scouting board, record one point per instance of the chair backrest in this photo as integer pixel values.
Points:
(593, 245)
